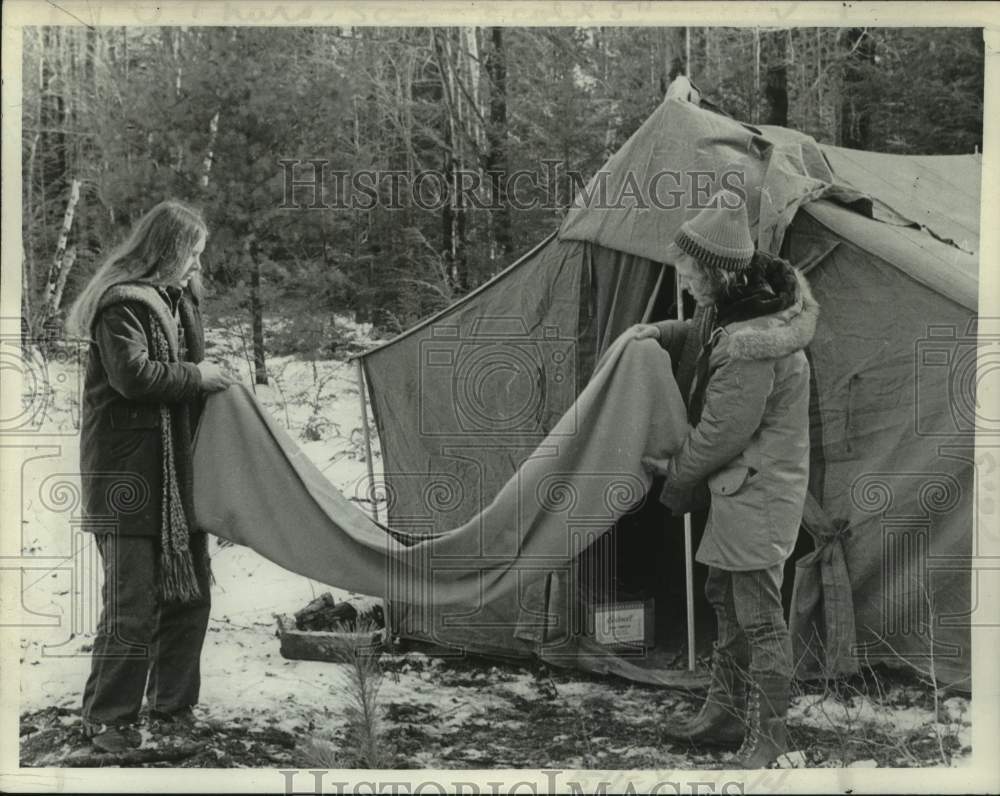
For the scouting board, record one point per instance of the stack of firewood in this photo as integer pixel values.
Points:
(324, 629)
(325, 613)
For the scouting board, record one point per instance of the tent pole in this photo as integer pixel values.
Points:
(368, 439)
(688, 556)
(653, 296)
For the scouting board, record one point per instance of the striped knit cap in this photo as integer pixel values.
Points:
(719, 235)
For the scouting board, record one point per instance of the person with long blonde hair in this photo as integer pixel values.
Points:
(144, 382)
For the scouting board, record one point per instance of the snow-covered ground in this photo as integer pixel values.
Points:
(437, 715)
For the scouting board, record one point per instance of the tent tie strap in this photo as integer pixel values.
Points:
(822, 613)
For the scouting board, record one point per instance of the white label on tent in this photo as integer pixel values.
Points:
(620, 624)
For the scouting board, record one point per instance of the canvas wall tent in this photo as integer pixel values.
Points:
(890, 244)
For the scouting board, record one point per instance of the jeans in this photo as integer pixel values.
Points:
(751, 620)
(144, 645)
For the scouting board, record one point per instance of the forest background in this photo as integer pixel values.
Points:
(116, 119)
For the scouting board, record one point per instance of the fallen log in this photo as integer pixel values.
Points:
(133, 757)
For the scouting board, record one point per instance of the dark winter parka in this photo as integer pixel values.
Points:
(121, 452)
(751, 437)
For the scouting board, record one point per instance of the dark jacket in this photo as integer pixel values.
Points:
(752, 440)
(121, 451)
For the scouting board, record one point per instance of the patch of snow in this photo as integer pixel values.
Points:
(823, 710)
(860, 712)
(524, 686)
(795, 759)
(642, 751)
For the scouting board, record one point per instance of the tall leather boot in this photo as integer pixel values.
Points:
(720, 722)
(766, 733)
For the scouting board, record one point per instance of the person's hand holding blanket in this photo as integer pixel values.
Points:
(694, 499)
(643, 331)
(658, 466)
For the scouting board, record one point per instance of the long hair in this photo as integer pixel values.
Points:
(158, 247)
(727, 285)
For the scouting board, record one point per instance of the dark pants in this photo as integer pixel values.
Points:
(140, 638)
(751, 619)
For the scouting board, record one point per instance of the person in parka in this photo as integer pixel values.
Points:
(145, 376)
(748, 412)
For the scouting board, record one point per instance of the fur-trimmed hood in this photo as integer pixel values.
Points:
(777, 335)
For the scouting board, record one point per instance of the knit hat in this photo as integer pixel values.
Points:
(719, 235)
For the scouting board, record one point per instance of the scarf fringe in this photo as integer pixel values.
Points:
(178, 580)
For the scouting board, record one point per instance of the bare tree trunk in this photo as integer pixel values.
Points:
(792, 73)
(67, 266)
(28, 286)
(364, 311)
(404, 85)
(206, 164)
(125, 57)
(755, 100)
(450, 145)
(447, 216)
(819, 80)
(461, 254)
(459, 131)
(472, 59)
(855, 119)
(611, 124)
(176, 46)
(53, 137)
(673, 53)
(74, 197)
(687, 52)
(92, 44)
(709, 70)
(776, 84)
(256, 312)
(26, 299)
(496, 134)
(59, 261)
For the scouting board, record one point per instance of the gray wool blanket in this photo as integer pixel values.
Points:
(255, 487)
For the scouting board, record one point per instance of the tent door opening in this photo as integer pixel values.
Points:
(639, 563)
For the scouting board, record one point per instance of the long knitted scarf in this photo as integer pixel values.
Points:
(695, 344)
(177, 578)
